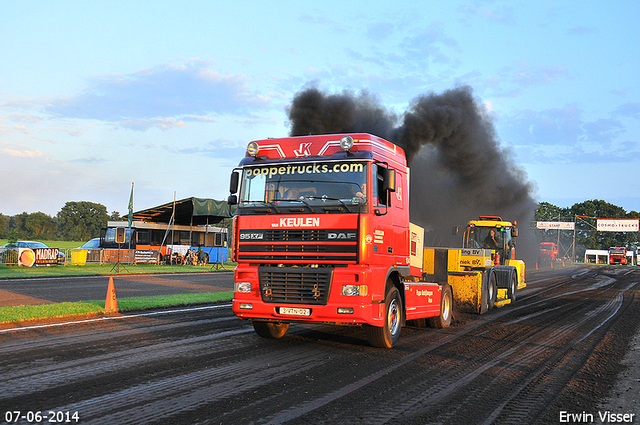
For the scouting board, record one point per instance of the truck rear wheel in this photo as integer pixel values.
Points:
(446, 309)
(387, 335)
(512, 288)
(270, 329)
(492, 290)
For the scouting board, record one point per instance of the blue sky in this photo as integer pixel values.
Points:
(167, 94)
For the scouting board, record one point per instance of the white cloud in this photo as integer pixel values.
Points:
(26, 153)
(145, 124)
(155, 94)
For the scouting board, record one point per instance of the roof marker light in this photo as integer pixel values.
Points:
(253, 148)
(346, 143)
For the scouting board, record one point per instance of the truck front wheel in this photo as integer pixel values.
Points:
(270, 329)
(387, 335)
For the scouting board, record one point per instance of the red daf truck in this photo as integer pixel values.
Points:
(618, 255)
(322, 235)
(548, 253)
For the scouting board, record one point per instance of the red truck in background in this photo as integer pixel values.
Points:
(322, 235)
(548, 252)
(618, 255)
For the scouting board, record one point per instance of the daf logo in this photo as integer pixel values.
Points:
(334, 235)
(249, 236)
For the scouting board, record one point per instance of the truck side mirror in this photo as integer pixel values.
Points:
(390, 180)
(233, 183)
(232, 199)
(514, 232)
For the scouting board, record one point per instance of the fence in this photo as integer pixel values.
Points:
(81, 257)
(31, 256)
(8, 256)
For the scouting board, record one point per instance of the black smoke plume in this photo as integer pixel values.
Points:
(458, 169)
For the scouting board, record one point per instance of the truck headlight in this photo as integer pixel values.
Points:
(253, 148)
(355, 290)
(243, 287)
(346, 143)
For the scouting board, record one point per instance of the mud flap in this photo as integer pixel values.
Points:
(503, 297)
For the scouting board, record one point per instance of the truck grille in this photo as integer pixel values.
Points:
(307, 245)
(295, 285)
(296, 235)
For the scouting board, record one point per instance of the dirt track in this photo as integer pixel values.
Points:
(558, 349)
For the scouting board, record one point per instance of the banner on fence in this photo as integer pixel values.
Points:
(618, 225)
(37, 256)
(562, 225)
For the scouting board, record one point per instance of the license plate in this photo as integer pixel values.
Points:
(295, 311)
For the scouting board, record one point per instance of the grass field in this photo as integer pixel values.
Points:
(24, 313)
(106, 269)
(57, 310)
(98, 269)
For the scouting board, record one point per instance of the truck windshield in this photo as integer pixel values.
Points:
(482, 237)
(310, 184)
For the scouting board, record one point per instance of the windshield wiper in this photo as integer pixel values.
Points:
(298, 200)
(264, 208)
(325, 198)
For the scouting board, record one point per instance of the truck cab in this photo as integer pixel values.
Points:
(491, 232)
(618, 255)
(322, 235)
(548, 252)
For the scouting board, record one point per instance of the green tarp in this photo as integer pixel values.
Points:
(188, 211)
(210, 207)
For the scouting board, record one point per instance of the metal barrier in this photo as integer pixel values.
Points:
(80, 257)
(9, 256)
(29, 257)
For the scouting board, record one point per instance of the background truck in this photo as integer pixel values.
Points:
(322, 235)
(484, 273)
(617, 255)
(548, 252)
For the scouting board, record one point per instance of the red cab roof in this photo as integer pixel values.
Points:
(328, 145)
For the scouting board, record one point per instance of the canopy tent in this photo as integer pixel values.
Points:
(188, 211)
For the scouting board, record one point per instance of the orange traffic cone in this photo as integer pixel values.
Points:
(536, 266)
(111, 302)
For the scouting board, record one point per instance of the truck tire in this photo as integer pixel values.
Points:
(512, 287)
(270, 329)
(387, 335)
(492, 292)
(446, 309)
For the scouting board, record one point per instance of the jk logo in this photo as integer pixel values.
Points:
(303, 150)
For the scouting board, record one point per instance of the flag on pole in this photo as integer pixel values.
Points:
(131, 206)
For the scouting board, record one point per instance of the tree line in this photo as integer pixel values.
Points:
(584, 215)
(76, 221)
(81, 221)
